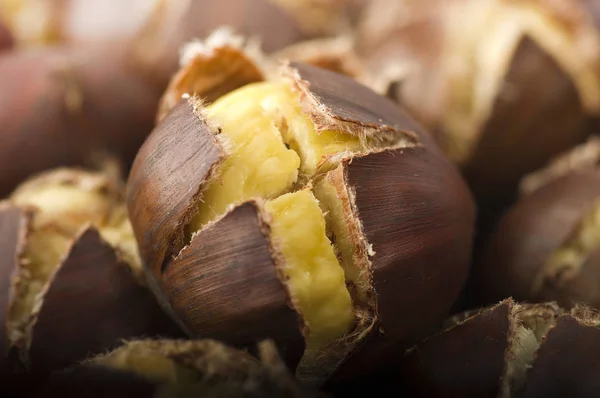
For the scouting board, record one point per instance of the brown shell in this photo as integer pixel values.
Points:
(91, 304)
(566, 363)
(464, 361)
(528, 235)
(156, 49)
(238, 287)
(68, 107)
(167, 205)
(210, 76)
(473, 358)
(545, 109)
(423, 215)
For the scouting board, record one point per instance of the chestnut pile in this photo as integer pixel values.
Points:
(276, 198)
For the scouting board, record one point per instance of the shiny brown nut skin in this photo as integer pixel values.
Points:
(472, 358)
(92, 302)
(64, 107)
(155, 51)
(527, 236)
(422, 248)
(536, 102)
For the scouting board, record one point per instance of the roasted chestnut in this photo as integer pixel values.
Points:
(505, 85)
(72, 281)
(546, 246)
(69, 107)
(509, 350)
(304, 208)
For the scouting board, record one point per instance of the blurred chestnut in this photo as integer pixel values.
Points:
(509, 350)
(68, 107)
(72, 281)
(546, 246)
(505, 85)
(43, 22)
(275, 23)
(173, 368)
(304, 208)
(6, 38)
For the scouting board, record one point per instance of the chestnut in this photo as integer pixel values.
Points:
(504, 85)
(546, 245)
(304, 208)
(72, 281)
(176, 368)
(69, 107)
(276, 23)
(509, 350)
(44, 22)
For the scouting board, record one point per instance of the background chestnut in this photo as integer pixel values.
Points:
(212, 211)
(72, 278)
(69, 107)
(546, 246)
(276, 23)
(80, 22)
(175, 368)
(510, 349)
(6, 38)
(504, 85)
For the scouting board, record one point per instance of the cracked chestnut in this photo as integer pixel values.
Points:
(504, 85)
(303, 208)
(69, 107)
(508, 350)
(546, 246)
(72, 281)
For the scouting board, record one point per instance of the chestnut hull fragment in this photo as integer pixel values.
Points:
(527, 112)
(433, 370)
(566, 363)
(529, 233)
(91, 304)
(96, 294)
(66, 107)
